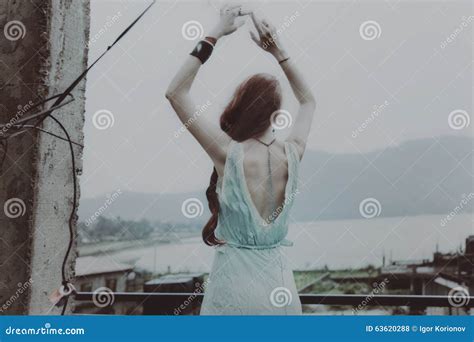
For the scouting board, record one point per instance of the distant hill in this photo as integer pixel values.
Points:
(426, 176)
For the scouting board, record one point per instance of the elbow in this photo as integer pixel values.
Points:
(309, 100)
(309, 97)
(306, 98)
(170, 95)
(175, 94)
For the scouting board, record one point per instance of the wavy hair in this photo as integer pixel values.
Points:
(246, 116)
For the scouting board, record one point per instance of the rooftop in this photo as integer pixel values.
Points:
(89, 265)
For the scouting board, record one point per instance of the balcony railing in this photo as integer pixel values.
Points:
(166, 299)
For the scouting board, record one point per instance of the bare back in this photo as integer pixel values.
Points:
(256, 172)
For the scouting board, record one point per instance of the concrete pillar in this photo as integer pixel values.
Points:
(42, 49)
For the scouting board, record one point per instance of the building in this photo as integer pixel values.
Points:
(104, 276)
(449, 274)
(192, 283)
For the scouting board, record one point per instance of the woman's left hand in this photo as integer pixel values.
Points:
(227, 23)
(268, 38)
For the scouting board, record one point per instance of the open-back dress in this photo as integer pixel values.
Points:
(251, 274)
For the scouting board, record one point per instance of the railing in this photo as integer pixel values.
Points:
(321, 299)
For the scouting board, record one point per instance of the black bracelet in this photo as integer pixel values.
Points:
(284, 60)
(203, 51)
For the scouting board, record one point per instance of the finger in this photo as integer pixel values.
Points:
(254, 38)
(262, 29)
(238, 23)
(235, 11)
(224, 8)
(256, 23)
(245, 12)
(232, 10)
(269, 26)
(265, 30)
(232, 7)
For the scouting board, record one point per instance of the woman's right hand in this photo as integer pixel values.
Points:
(227, 22)
(268, 38)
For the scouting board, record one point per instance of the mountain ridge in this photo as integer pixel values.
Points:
(423, 176)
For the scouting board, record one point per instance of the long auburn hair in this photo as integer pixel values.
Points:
(246, 116)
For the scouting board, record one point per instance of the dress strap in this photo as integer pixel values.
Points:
(293, 151)
(230, 161)
(293, 166)
(231, 150)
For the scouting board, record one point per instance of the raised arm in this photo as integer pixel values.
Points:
(269, 41)
(206, 133)
(209, 135)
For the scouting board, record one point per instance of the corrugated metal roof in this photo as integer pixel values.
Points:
(174, 278)
(89, 265)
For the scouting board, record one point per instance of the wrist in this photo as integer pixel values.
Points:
(215, 33)
(281, 55)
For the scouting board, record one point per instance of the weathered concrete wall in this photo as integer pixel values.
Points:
(21, 81)
(37, 166)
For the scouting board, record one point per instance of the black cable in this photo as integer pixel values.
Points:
(52, 134)
(20, 123)
(84, 73)
(65, 282)
(64, 306)
(74, 200)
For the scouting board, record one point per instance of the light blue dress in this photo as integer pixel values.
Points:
(250, 274)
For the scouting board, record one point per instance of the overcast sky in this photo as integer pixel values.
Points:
(404, 68)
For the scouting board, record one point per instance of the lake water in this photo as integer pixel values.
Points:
(337, 244)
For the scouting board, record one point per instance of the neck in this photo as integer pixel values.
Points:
(267, 136)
